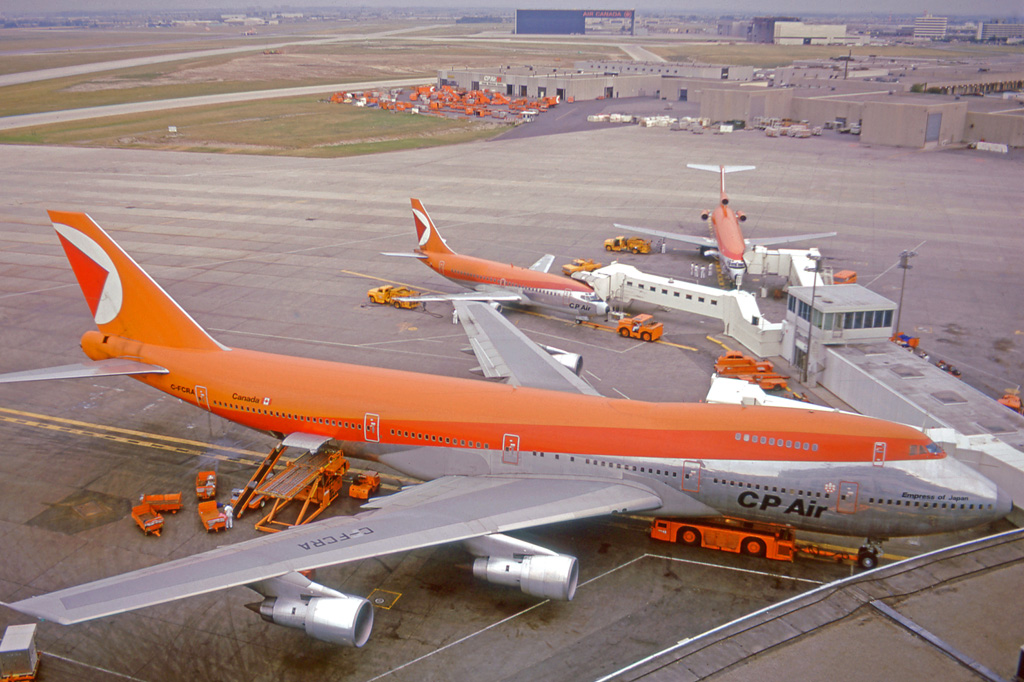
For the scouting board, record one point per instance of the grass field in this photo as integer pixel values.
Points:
(291, 127)
(296, 66)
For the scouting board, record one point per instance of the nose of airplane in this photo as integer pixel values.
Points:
(603, 308)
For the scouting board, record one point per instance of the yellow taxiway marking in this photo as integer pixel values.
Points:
(149, 440)
(375, 278)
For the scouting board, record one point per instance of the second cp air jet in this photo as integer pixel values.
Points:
(498, 283)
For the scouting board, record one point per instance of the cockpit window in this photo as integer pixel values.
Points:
(930, 449)
(590, 296)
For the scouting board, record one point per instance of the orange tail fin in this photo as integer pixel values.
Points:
(430, 239)
(124, 300)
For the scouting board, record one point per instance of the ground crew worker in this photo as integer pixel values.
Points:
(455, 315)
(229, 520)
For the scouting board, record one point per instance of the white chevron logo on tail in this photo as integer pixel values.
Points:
(96, 273)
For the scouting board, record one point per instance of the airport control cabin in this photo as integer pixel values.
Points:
(840, 314)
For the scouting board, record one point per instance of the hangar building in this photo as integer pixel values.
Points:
(571, 21)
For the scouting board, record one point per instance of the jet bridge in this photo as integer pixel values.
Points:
(796, 265)
(738, 310)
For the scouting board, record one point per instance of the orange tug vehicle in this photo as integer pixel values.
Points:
(642, 327)
(772, 543)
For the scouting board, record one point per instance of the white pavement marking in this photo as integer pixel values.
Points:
(584, 584)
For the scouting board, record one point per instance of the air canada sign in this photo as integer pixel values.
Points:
(608, 13)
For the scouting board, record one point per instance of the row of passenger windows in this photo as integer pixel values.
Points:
(494, 280)
(933, 505)
(288, 415)
(620, 465)
(675, 294)
(771, 440)
(434, 438)
(770, 489)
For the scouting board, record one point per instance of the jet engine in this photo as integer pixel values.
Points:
(742, 216)
(294, 601)
(537, 571)
(705, 215)
(573, 361)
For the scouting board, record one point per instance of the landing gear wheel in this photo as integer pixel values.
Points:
(753, 547)
(867, 558)
(689, 536)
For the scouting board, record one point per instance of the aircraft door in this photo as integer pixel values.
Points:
(691, 477)
(440, 267)
(847, 502)
(510, 449)
(202, 397)
(371, 428)
(879, 456)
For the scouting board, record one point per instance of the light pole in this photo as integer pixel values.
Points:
(816, 269)
(905, 257)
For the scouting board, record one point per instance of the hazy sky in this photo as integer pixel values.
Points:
(982, 8)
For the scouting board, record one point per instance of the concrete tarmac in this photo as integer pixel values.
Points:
(277, 253)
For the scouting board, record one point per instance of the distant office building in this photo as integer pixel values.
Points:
(930, 28)
(999, 31)
(570, 21)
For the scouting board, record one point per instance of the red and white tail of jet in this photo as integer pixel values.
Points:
(430, 240)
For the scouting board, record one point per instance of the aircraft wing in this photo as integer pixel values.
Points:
(448, 509)
(689, 239)
(84, 370)
(544, 264)
(505, 352)
(485, 296)
(771, 241)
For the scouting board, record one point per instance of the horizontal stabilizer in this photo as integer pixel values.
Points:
(421, 256)
(84, 370)
(719, 169)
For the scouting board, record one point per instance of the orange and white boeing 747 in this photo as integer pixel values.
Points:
(495, 457)
(498, 283)
(728, 244)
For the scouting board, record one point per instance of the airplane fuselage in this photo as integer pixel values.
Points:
(731, 246)
(540, 288)
(832, 472)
